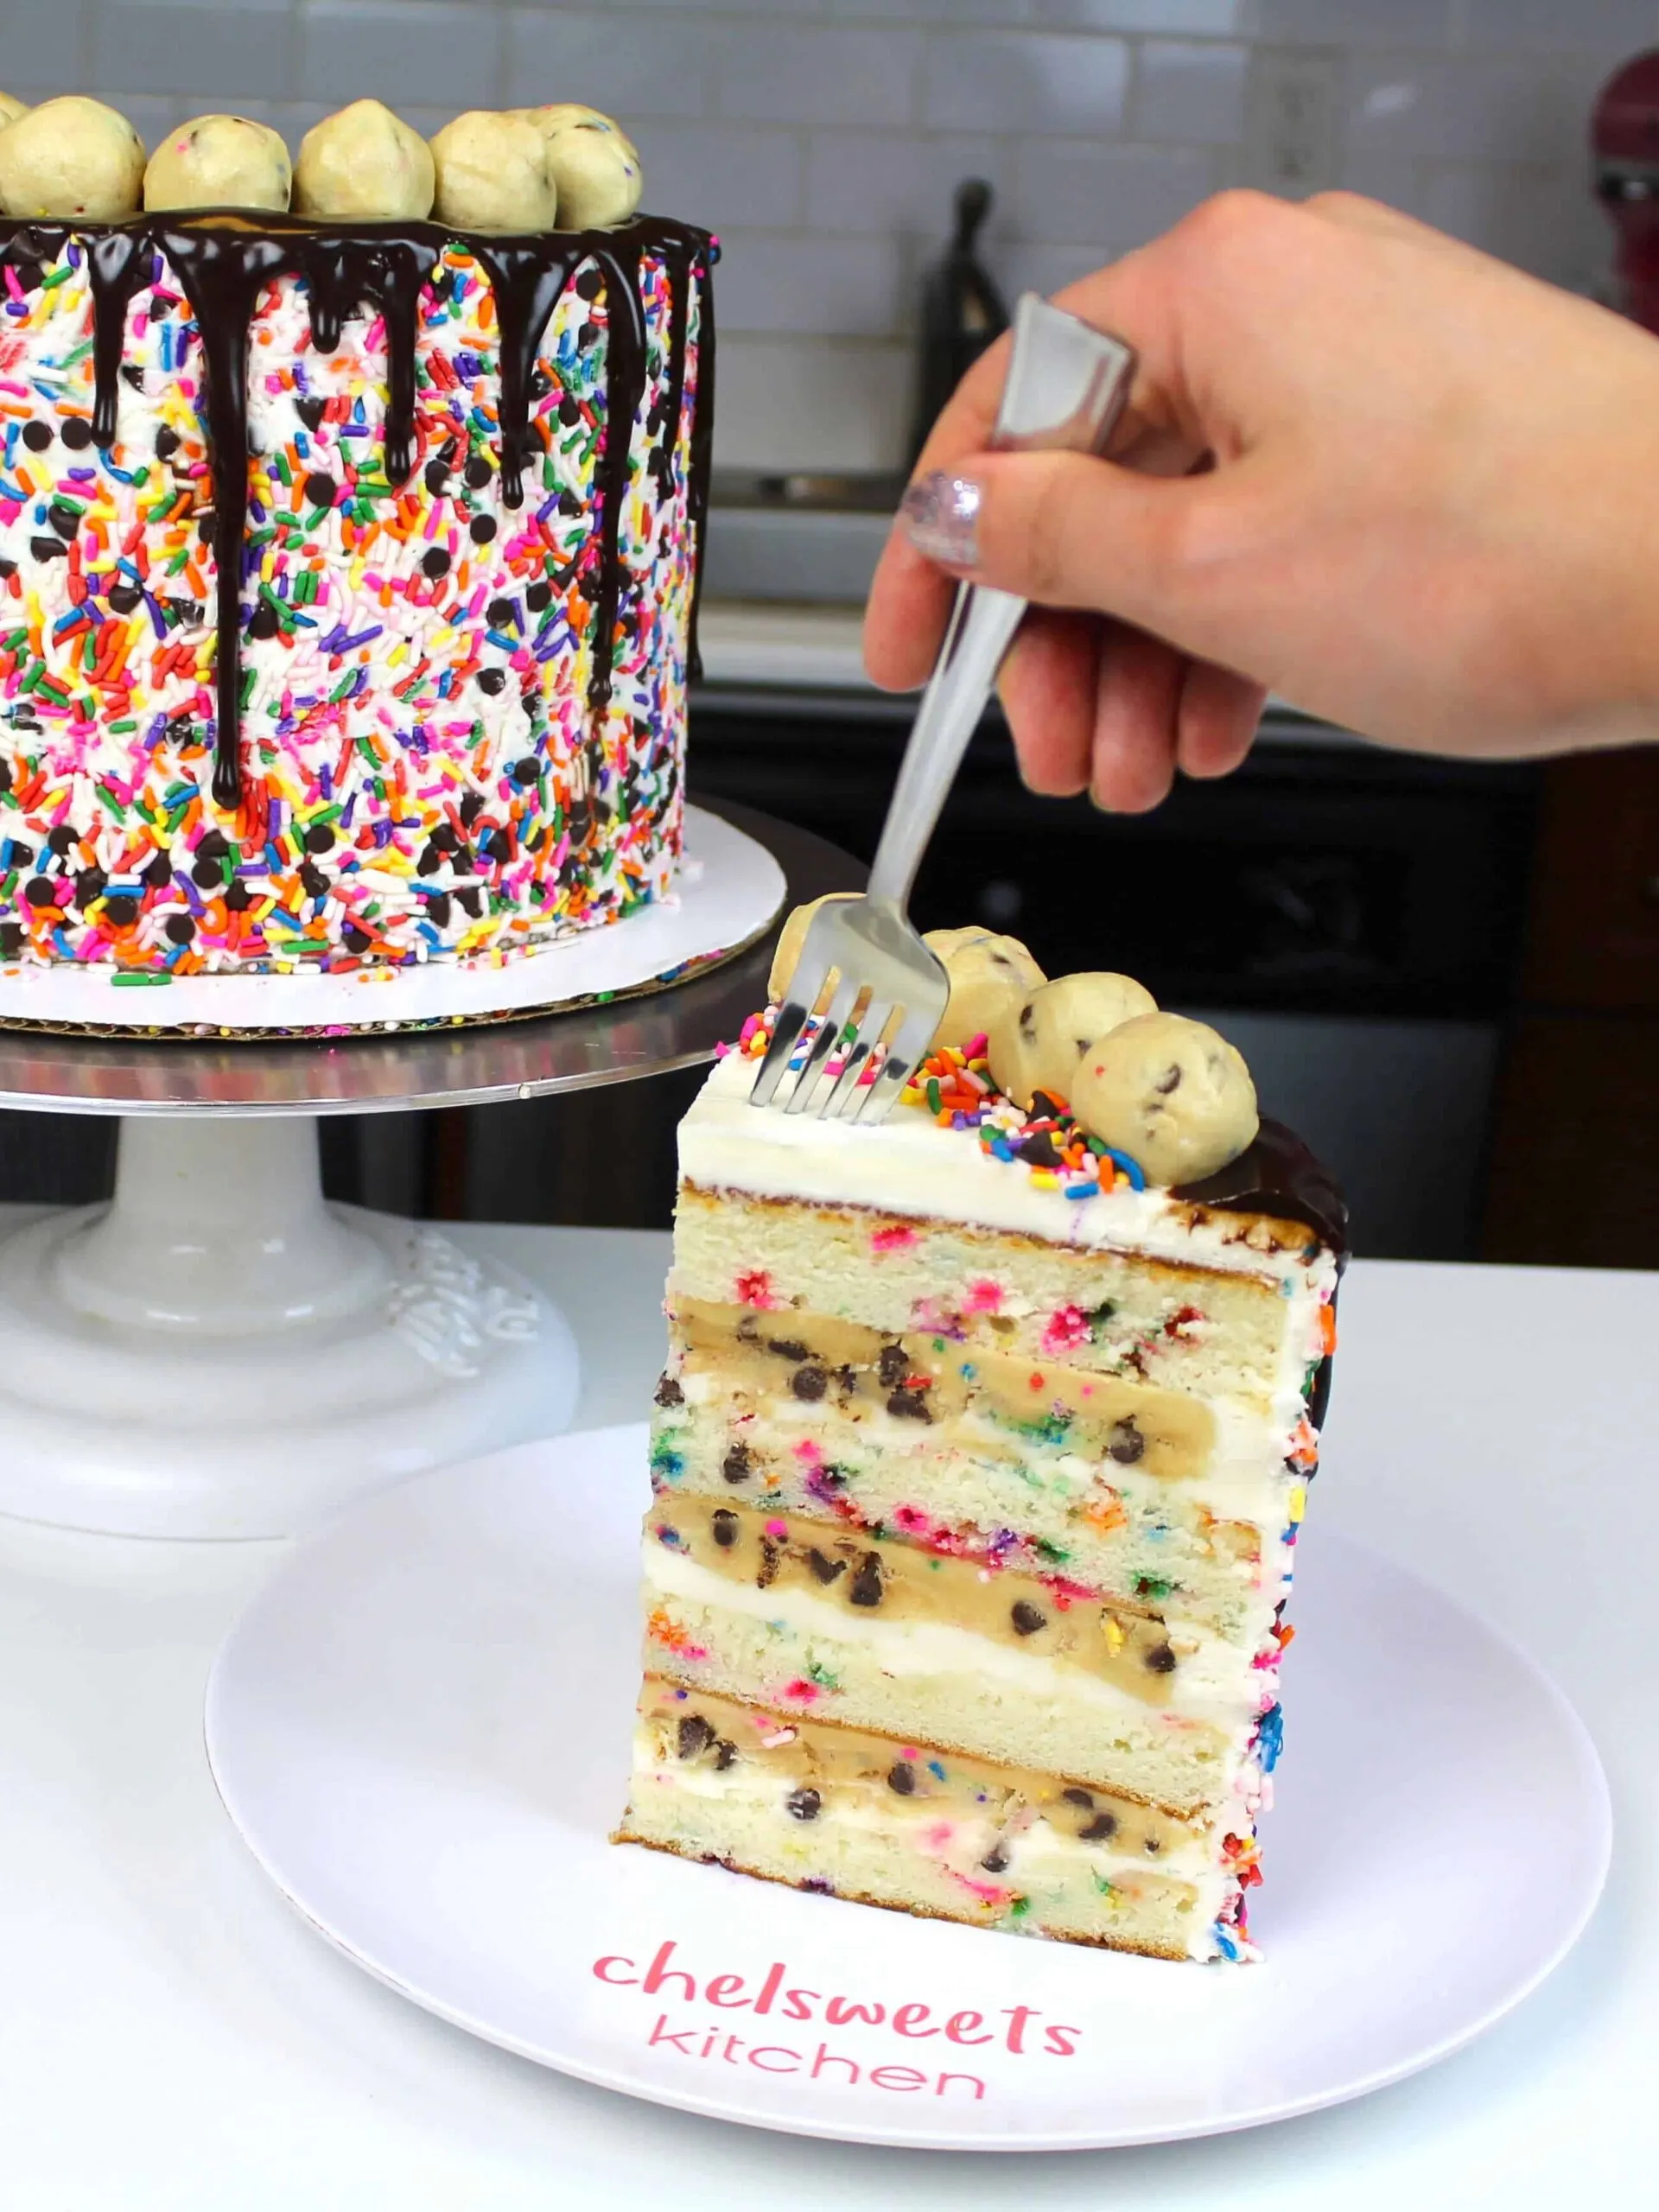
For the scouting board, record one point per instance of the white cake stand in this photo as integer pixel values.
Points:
(219, 1353)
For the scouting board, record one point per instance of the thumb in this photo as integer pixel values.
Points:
(1072, 530)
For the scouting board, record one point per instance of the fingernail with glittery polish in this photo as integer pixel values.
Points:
(941, 517)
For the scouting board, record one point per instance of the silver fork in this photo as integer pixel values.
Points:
(1067, 386)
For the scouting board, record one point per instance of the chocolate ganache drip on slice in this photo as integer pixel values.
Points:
(223, 262)
(1277, 1175)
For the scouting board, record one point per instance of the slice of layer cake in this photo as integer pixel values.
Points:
(978, 1464)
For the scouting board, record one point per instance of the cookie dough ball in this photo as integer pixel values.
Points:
(990, 976)
(789, 944)
(492, 174)
(218, 161)
(10, 110)
(363, 163)
(71, 157)
(595, 169)
(1171, 1093)
(1038, 1044)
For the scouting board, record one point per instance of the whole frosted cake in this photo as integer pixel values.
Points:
(409, 683)
(978, 1465)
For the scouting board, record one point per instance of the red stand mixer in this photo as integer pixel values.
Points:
(1624, 138)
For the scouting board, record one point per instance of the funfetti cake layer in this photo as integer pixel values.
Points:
(985, 1481)
(421, 693)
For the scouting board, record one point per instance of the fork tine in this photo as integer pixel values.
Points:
(843, 1097)
(847, 989)
(785, 1036)
(905, 1055)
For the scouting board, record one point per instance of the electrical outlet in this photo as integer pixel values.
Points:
(1290, 121)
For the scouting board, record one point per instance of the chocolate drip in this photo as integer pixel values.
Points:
(223, 262)
(1279, 1175)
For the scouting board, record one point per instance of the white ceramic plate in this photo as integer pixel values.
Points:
(421, 1728)
(729, 889)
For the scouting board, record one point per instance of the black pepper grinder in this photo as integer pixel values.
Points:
(961, 312)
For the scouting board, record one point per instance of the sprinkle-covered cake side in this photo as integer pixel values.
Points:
(979, 1462)
(416, 690)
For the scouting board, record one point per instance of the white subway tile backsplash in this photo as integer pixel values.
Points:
(399, 51)
(1623, 26)
(41, 48)
(1349, 23)
(989, 81)
(1542, 219)
(630, 65)
(1511, 109)
(812, 402)
(1188, 92)
(191, 49)
(846, 288)
(883, 182)
(1069, 191)
(821, 74)
(707, 173)
(1194, 18)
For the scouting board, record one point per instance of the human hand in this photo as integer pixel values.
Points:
(1399, 483)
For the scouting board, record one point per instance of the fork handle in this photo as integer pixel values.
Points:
(1065, 390)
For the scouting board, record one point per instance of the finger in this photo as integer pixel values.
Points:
(1135, 709)
(1215, 721)
(1048, 687)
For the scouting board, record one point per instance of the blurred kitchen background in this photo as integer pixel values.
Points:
(1447, 977)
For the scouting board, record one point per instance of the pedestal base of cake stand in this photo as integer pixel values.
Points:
(219, 1353)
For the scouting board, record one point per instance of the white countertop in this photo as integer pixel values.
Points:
(174, 2039)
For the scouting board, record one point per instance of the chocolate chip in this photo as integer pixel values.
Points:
(178, 928)
(787, 1347)
(320, 838)
(237, 897)
(1102, 1826)
(1098, 1316)
(694, 1735)
(725, 1752)
(570, 412)
(1037, 1151)
(864, 1588)
(570, 505)
(13, 938)
(589, 284)
(1160, 1660)
(893, 1364)
(669, 1392)
(1026, 1618)
(470, 901)
(1126, 1444)
(1044, 1107)
(526, 771)
(208, 875)
(354, 939)
(499, 846)
(737, 1466)
(159, 873)
(77, 433)
(37, 436)
(121, 913)
(770, 1553)
(803, 1804)
(437, 910)
(493, 680)
(311, 407)
(262, 621)
(62, 840)
(168, 443)
(471, 807)
(1077, 1798)
(47, 548)
(995, 1859)
(130, 372)
(724, 1524)
(809, 1382)
(89, 884)
(537, 595)
(901, 1778)
(40, 891)
(478, 471)
(826, 1569)
(436, 479)
(434, 562)
(908, 1405)
(1170, 1080)
(499, 612)
(1152, 1846)
(318, 487)
(481, 529)
(314, 881)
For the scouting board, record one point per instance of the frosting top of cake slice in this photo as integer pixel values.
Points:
(1273, 1211)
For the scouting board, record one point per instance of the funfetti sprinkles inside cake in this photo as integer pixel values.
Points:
(978, 1465)
(411, 685)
